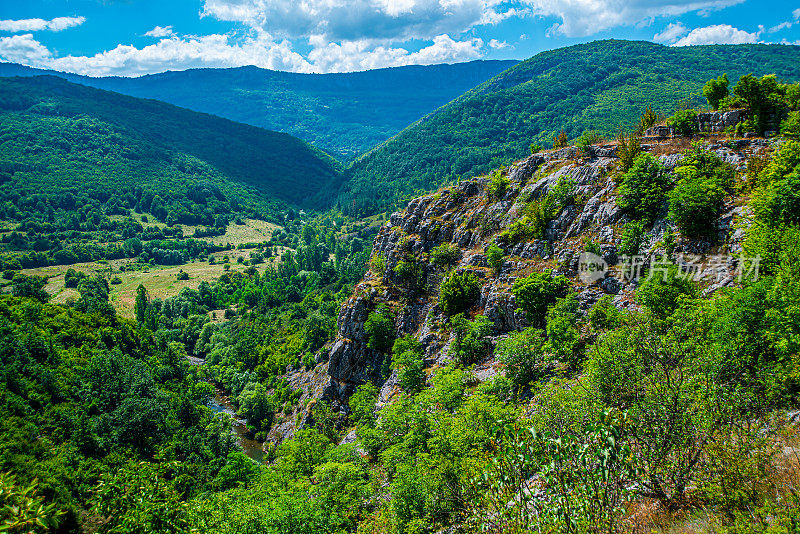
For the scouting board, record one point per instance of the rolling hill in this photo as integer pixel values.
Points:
(56, 135)
(344, 114)
(604, 85)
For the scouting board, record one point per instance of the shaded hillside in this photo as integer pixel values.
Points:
(602, 85)
(58, 134)
(345, 114)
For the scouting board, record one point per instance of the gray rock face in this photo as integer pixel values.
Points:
(350, 361)
(611, 285)
(718, 121)
(499, 307)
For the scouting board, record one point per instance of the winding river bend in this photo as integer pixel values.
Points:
(220, 403)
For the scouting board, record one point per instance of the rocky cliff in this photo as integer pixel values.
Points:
(466, 216)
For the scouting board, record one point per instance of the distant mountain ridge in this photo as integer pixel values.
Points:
(603, 86)
(344, 114)
(55, 134)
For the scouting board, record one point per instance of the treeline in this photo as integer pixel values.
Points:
(277, 319)
(601, 86)
(90, 403)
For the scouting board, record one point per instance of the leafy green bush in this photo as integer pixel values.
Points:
(698, 198)
(684, 121)
(523, 356)
(407, 359)
(445, 254)
(362, 404)
(30, 287)
(604, 315)
(648, 119)
(379, 328)
(498, 184)
(715, 90)
(411, 273)
(662, 290)
(632, 237)
(777, 200)
(628, 149)
(458, 292)
(562, 193)
(377, 264)
(564, 341)
(762, 96)
(587, 139)
(790, 127)
(536, 291)
(495, 257)
(644, 188)
(470, 344)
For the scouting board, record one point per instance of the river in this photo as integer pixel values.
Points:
(220, 403)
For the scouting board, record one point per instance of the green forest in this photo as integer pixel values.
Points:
(601, 86)
(359, 354)
(344, 114)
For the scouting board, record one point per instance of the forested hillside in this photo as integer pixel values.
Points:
(134, 142)
(345, 114)
(603, 86)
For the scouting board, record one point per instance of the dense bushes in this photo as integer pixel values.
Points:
(379, 328)
(458, 292)
(684, 121)
(536, 291)
(703, 181)
(522, 354)
(644, 188)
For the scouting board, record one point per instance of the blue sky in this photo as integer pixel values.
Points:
(135, 37)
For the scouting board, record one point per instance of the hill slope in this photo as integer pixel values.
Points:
(601, 85)
(57, 134)
(345, 114)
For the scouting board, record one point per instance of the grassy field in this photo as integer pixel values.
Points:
(252, 231)
(161, 281)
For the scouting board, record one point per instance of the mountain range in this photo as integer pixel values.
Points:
(344, 114)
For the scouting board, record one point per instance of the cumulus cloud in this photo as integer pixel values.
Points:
(23, 49)
(498, 45)
(671, 33)
(718, 34)
(184, 52)
(32, 25)
(362, 55)
(357, 20)
(159, 31)
(581, 18)
(177, 53)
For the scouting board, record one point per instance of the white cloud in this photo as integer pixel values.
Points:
(356, 20)
(581, 18)
(32, 25)
(361, 55)
(498, 45)
(184, 52)
(781, 26)
(23, 49)
(718, 34)
(787, 24)
(159, 31)
(174, 53)
(671, 33)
